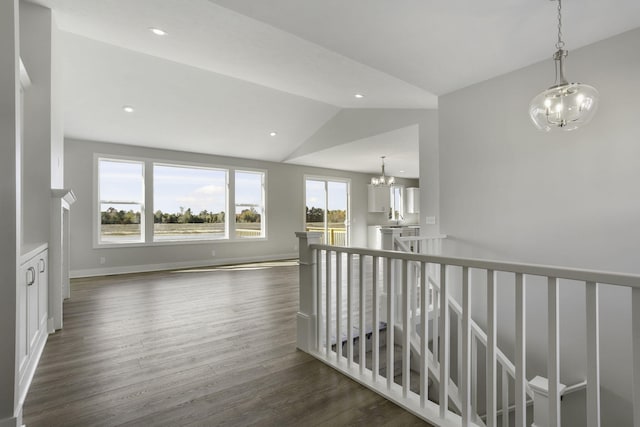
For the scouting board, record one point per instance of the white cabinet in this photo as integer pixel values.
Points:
(378, 198)
(413, 200)
(374, 239)
(31, 313)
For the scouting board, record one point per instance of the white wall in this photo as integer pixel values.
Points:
(285, 213)
(510, 192)
(352, 124)
(9, 207)
(57, 113)
(429, 173)
(35, 50)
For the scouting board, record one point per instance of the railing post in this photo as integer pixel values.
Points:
(406, 329)
(593, 355)
(491, 350)
(444, 345)
(362, 350)
(349, 309)
(465, 380)
(390, 284)
(521, 351)
(306, 317)
(338, 306)
(424, 338)
(635, 332)
(553, 363)
(542, 400)
(505, 397)
(375, 341)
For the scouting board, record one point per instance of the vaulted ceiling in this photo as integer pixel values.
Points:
(230, 72)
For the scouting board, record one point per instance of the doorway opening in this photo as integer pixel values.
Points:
(327, 209)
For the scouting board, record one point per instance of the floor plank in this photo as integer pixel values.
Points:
(202, 347)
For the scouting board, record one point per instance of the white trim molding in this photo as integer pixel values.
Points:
(144, 268)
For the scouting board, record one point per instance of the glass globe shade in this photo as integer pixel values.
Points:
(564, 107)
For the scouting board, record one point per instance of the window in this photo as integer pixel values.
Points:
(396, 209)
(176, 203)
(121, 201)
(327, 209)
(189, 203)
(249, 196)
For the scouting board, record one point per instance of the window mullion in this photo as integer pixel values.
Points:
(148, 201)
(231, 204)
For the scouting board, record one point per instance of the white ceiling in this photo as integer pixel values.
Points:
(399, 147)
(231, 71)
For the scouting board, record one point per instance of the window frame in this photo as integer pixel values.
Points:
(98, 201)
(226, 172)
(401, 202)
(263, 213)
(148, 189)
(326, 179)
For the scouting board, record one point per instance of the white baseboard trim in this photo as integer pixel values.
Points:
(92, 272)
(32, 364)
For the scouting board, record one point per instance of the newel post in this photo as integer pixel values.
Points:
(306, 317)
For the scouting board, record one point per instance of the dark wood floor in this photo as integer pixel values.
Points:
(199, 348)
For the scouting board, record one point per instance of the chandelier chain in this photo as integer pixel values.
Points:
(560, 43)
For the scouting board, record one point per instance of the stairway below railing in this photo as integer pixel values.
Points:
(346, 290)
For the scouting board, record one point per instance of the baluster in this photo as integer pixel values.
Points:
(444, 345)
(424, 339)
(363, 335)
(505, 397)
(319, 288)
(491, 350)
(553, 363)
(474, 373)
(390, 323)
(459, 347)
(414, 295)
(520, 352)
(375, 344)
(406, 329)
(635, 333)
(465, 380)
(328, 305)
(349, 309)
(436, 326)
(593, 355)
(338, 306)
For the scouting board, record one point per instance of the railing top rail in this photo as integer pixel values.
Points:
(413, 238)
(612, 278)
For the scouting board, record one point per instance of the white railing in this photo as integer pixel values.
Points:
(432, 245)
(335, 236)
(348, 300)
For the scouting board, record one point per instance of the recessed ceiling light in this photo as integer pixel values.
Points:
(273, 133)
(158, 31)
(401, 171)
(359, 95)
(128, 109)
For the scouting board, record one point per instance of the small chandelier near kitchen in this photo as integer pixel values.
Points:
(383, 179)
(564, 106)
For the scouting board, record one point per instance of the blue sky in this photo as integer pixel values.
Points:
(199, 188)
(337, 194)
(175, 186)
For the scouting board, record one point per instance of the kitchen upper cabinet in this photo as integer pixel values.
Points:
(379, 200)
(413, 200)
